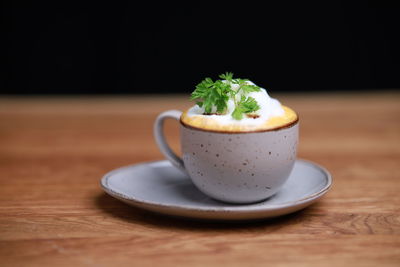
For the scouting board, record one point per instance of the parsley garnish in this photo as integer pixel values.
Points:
(209, 94)
(245, 105)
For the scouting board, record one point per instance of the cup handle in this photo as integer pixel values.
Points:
(159, 136)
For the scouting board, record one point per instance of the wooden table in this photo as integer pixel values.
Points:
(54, 150)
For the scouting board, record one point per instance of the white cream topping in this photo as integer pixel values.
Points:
(269, 107)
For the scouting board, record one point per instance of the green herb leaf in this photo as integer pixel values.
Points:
(245, 105)
(249, 104)
(248, 88)
(227, 76)
(237, 114)
(239, 81)
(212, 95)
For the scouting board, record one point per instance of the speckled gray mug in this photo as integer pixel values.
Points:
(242, 167)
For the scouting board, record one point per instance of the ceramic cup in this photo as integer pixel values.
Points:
(232, 167)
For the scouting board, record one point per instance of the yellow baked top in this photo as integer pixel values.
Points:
(208, 123)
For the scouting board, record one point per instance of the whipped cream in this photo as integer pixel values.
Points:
(269, 107)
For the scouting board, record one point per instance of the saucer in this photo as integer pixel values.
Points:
(159, 187)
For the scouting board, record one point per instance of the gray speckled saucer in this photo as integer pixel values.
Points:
(160, 187)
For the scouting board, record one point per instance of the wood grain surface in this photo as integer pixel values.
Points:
(54, 150)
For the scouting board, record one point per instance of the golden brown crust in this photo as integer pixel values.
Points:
(276, 123)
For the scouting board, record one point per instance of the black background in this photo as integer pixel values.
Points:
(123, 47)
